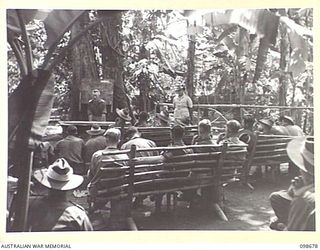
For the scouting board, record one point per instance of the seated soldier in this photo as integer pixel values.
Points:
(289, 126)
(231, 134)
(177, 133)
(112, 136)
(54, 212)
(247, 134)
(267, 127)
(295, 207)
(204, 136)
(142, 119)
(291, 129)
(71, 148)
(118, 207)
(163, 118)
(133, 137)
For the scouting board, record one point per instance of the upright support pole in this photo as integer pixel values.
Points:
(217, 192)
(26, 103)
(20, 220)
(132, 155)
(190, 63)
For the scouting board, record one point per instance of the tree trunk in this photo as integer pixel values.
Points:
(112, 57)
(283, 64)
(190, 63)
(261, 58)
(83, 67)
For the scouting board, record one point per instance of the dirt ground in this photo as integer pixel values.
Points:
(246, 209)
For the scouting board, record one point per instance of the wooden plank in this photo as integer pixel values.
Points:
(281, 151)
(168, 180)
(105, 199)
(172, 172)
(276, 159)
(273, 140)
(168, 190)
(270, 147)
(112, 189)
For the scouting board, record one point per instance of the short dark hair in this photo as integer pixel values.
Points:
(205, 125)
(113, 134)
(233, 126)
(72, 130)
(143, 115)
(131, 131)
(249, 120)
(177, 131)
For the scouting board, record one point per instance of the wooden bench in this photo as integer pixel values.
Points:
(270, 151)
(121, 180)
(160, 135)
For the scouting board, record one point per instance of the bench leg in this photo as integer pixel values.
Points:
(168, 201)
(175, 200)
(158, 203)
(131, 224)
(275, 173)
(247, 184)
(220, 212)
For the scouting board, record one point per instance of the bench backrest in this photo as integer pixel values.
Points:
(140, 176)
(270, 150)
(162, 135)
(182, 172)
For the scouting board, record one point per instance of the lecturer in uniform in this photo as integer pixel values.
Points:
(97, 107)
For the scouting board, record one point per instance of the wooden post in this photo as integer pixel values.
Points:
(28, 100)
(218, 189)
(20, 219)
(132, 155)
(283, 64)
(155, 113)
(190, 64)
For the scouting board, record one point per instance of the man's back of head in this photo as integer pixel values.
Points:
(248, 121)
(113, 136)
(131, 133)
(204, 127)
(177, 132)
(233, 127)
(72, 130)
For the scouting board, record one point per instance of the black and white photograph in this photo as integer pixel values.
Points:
(160, 120)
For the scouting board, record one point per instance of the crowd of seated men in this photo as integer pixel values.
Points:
(73, 162)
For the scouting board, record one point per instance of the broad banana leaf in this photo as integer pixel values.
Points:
(13, 24)
(297, 34)
(257, 21)
(43, 112)
(296, 63)
(58, 22)
(20, 104)
(261, 58)
(217, 17)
